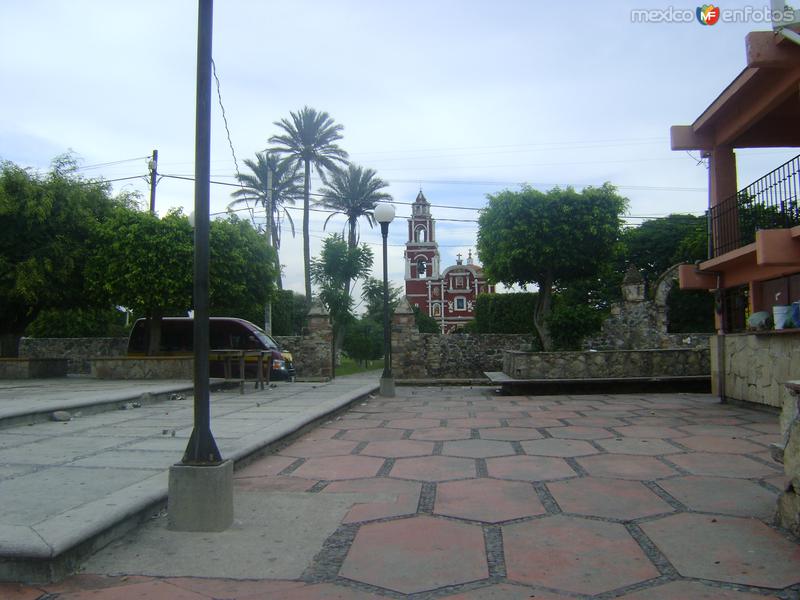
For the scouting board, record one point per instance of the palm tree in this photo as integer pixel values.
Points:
(353, 193)
(285, 189)
(309, 139)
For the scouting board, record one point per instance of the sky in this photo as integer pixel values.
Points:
(459, 98)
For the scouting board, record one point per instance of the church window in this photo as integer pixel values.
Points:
(437, 310)
(461, 303)
(422, 267)
(422, 234)
(459, 282)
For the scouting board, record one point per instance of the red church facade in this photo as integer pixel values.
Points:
(447, 296)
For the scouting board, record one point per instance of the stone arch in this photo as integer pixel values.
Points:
(421, 234)
(664, 285)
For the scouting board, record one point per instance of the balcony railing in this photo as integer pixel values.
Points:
(772, 202)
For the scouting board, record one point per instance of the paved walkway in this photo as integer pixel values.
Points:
(455, 493)
(63, 484)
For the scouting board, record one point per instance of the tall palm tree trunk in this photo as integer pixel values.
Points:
(306, 236)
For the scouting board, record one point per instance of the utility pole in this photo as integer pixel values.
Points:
(268, 232)
(153, 164)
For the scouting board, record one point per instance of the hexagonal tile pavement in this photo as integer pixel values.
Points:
(472, 422)
(558, 447)
(441, 434)
(311, 448)
(511, 434)
(718, 443)
(691, 590)
(529, 468)
(732, 549)
(274, 483)
(722, 495)
(398, 448)
(504, 591)
(609, 498)
(373, 434)
(232, 588)
(353, 423)
(644, 468)
(573, 432)
(723, 430)
(404, 502)
(416, 423)
(722, 465)
(477, 448)
(487, 500)
(596, 422)
(433, 468)
(270, 465)
(535, 421)
(424, 553)
(641, 446)
(339, 467)
(575, 555)
(649, 431)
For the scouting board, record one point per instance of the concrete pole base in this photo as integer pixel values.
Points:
(200, 498)
(387, 387)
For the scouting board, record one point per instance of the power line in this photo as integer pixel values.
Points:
(111, 163)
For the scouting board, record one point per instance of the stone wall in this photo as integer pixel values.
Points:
(418, 355)
(30, 368)
(607, 364)
(77, 351)
(313, 350)
(755, 366)
(144, 367)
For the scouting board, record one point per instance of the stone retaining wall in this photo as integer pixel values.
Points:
(30, 368)
(145, 367)
(756, 366)
(675, 362)
(77, 351)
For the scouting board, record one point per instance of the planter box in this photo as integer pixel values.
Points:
(145, 367)
(32, 368)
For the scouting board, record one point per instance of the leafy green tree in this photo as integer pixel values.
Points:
(242, 269)
(548, 239)
(336, 265)
(288, 313)
(309, 140)
(78, 322)
(46, 224)
(286, 188)
(372, 294)
(144, 263)
(425, 323)
(363, 340)
(569, 323)
(505, 313)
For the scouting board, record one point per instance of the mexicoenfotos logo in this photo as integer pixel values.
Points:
(708, 14)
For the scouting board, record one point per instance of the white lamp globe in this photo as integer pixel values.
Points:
(384, 213)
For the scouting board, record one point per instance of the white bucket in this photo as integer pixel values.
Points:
(780, 314)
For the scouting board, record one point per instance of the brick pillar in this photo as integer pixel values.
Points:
(319, 341)
(407, 351)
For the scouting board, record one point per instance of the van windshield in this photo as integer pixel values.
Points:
(265, 339)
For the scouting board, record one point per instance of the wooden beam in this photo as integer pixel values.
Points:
(771, 50)
(683, 137)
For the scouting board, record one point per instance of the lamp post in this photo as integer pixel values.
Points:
(384, 213)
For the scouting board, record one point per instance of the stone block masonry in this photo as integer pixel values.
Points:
(77, 351)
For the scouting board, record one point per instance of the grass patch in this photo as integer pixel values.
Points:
(350, 366)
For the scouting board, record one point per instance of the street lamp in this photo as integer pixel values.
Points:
(384, 213)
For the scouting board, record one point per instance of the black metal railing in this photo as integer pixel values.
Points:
(771, 202)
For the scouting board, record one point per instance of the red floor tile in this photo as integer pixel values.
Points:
(354, 424)
(722, 495)
(504, 591)
(373, 434)
(270, 465)
(441, 434)
(274, 484)
(417, 554)
(574, 555)
(609, 498)
(319, 448)
(529, 468)
(511, 434)
(649, 431)
(232, 589)
(563, 448)
(477, 448)
(433, 468)
(415, 423)
(732, 549)
(722, 465)
(398, 448)
(487, 500)
(339, 467)
(574, 432)
(718, 443)
(150, 590)
(18, 591)
(545, 420)
(644, 468)
(473, 422)
(638, 446)
(319, 591)
(691, 590)
(404, 502)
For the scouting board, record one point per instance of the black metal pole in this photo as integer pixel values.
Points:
(153, 175)
(202, 449)
(387, 334)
